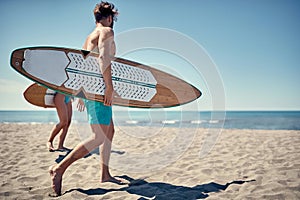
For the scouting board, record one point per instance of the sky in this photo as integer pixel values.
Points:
(253, 46)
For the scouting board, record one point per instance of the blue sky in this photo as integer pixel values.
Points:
(254, 44)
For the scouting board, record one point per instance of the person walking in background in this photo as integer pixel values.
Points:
(63, 107)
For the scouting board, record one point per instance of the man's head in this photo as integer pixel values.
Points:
(105, 10)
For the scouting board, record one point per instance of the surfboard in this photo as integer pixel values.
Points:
(40, 96)
(76, 72)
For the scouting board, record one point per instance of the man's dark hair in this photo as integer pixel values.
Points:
(104, 10)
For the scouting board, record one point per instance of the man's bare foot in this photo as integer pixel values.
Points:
(50, 146)
(56, 179)
(114, 180)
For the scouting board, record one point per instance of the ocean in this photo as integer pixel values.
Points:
(266, 120)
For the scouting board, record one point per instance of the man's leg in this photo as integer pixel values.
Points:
(57, 171)
(63, 134)
(105, 151)
(63, 119)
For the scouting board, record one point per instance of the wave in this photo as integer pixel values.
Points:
(197, 121)
(131, 122)
(214, 121)
(169, 121)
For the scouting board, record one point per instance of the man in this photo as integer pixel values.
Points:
(99, 114)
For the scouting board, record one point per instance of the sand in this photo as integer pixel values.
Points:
(157, 163)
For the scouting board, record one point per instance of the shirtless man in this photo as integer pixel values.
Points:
(99, 114)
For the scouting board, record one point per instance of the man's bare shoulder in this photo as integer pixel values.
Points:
(106, 32)
(95, 34)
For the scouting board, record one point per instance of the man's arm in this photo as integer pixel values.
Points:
(105, 42)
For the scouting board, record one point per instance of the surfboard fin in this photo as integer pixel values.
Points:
(81, 94)
(85, 53)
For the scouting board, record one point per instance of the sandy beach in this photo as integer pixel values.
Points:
(244, 164)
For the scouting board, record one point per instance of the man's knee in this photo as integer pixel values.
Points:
(64, 123)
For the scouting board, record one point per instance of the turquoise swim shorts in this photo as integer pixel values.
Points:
(98, 113)
(67, 99)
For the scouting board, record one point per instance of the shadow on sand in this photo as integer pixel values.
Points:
(95, 151)
(159, 190)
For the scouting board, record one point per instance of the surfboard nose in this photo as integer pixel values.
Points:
(43, 63)
(46, 65)
(16, 59)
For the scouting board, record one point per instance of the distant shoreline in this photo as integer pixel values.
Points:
(258, 120)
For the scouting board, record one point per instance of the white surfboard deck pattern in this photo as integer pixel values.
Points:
(74, 72)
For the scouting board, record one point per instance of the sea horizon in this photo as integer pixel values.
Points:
(263, 119)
